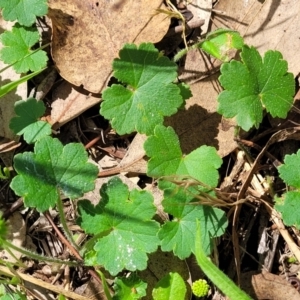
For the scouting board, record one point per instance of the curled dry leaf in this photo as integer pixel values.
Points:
(87, 35)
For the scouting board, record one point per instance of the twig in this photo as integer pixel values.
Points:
(43, 284)
(69, 246)
(118, 170)
(62, 238)
(190, 25)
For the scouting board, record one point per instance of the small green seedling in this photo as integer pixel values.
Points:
(4, 173)
(220, 42)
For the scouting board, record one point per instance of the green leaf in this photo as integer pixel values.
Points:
(16, 50)
(254, 84)
(166, 158)
(179, 234)
(170, 287)
(50, 169)
(26, 123)
(289, 208)
(290, 170)
(219, 43)
(130, 288)
(147, 93)
(24, 11)
(185, 91)
(288, 205)
(125, 219)
(13, 296)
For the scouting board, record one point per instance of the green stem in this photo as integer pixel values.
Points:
(184, 51)
(64, 224)
(223, 282)
(105, 286)
(9, 245)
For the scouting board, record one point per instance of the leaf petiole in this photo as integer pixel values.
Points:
(223, 282)
(8, 245)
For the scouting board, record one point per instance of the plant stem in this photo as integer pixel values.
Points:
(105, 285)
(9, 245)
(223, 282)
(63, 221)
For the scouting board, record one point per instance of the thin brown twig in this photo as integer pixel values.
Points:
(62, 238)
(70, 247)
(16, 205)
(118, 170)
(190, 25)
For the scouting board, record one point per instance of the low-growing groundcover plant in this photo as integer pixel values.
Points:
(122, 227)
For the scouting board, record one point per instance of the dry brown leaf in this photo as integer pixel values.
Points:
(134, 160)
(201, 9)
(200, 124)
(68, 103)
(268, 286)
(87, 35)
